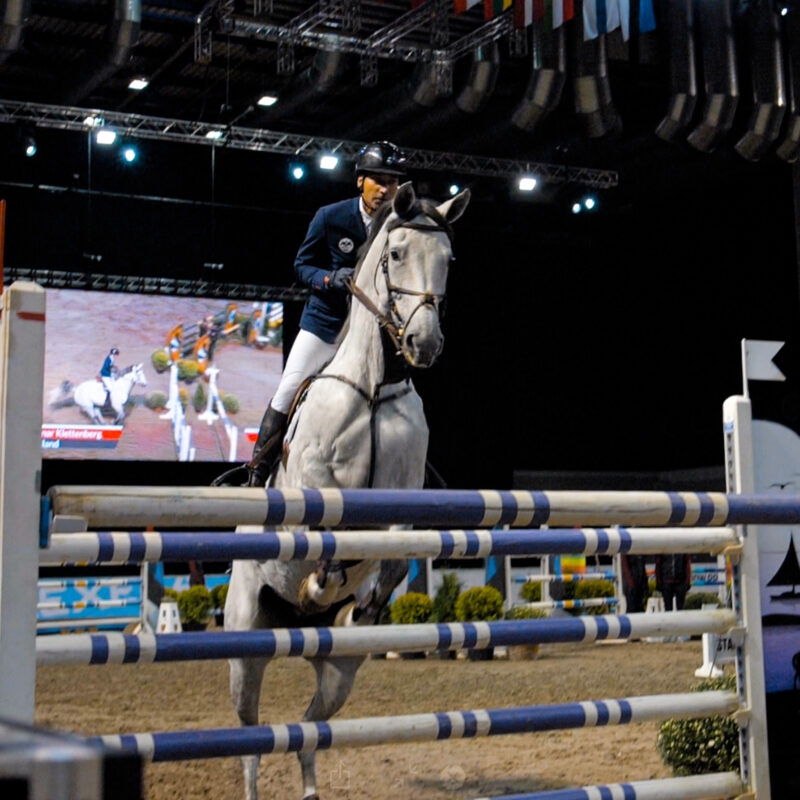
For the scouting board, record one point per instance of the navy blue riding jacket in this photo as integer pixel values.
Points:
(106, 370)
(332, 242)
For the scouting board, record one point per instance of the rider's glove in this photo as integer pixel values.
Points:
(338, 279)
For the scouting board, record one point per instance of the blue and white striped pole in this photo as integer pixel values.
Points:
(120, 648)
(134, 548)
(311, 736)
(200, 506)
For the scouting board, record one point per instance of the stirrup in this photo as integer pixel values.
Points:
(227, 478)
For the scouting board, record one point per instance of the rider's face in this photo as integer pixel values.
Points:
(377, 189)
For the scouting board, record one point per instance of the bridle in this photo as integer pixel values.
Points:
(392, 322)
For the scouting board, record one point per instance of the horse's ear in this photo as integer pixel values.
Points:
(404, 199)
(451, 210)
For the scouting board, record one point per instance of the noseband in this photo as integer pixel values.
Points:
(393, 323)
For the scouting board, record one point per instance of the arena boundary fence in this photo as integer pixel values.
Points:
(22, 341)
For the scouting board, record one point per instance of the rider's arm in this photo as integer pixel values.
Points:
(312, 265)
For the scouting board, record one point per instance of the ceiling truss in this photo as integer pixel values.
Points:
(290, 144)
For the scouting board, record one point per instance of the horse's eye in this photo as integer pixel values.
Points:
(395, 254)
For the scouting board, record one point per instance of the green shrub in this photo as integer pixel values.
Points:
(696, 600)
(444, 601)
(651, 588)
(161, 360)
(187, 370)
(525, 612)
(697, 746)
(230, 402)
(156, 401)
(531, 591)
(170, 594)
(479, 603)
(199, 398)
(218, 596)
(194, 604)
(585, 590)
(410, 608)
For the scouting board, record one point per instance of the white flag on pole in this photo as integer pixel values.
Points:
(758, 364)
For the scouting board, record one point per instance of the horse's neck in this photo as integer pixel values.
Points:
(360, 355)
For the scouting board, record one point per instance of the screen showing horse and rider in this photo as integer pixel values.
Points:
(130, 377)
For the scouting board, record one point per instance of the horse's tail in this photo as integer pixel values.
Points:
(62, 395)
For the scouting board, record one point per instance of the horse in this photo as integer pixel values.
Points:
(358, 423)
(90, 396)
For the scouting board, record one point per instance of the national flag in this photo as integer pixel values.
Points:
(600, 16)
(493, 8)
(647, 18)
(563, 11)
(460, 6)
(523, 13)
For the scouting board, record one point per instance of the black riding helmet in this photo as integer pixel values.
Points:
(114, 351)
(382, 158)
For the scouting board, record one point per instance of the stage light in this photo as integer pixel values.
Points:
(129, 154)
(137, 84)
(29, 143)
(329, 162)
(267, 100)
(93, 122)
(106, 136)
(298, 173)
(215, 135)
(577, 208)
(784, 11)
(590, 203)
(527, 184)
(454, 189)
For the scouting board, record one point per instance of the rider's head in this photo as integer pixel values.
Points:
(379, 169)
(114, 351)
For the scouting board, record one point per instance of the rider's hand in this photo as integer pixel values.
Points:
(338, 279)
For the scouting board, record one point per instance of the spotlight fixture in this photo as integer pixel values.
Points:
(527, 183)
(784, 11)
(577, 208)
(137, 84)
(589, 203)
(267, 100)
(215, 135)
(298, 172)
(129, 154)
(93, 122)
(29, 143)
(329, 162)
(106, 136)
(454, 189)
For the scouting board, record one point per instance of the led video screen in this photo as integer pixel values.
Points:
(144, 377)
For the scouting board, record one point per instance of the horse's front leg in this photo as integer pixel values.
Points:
(335, 677)
(242, 613)
(390, 574)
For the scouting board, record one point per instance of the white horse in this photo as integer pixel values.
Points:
(360, 423)
(90, 396)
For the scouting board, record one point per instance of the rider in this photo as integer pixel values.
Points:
(325, 263)
(108, 373)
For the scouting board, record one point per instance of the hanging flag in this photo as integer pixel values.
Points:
(647, 18)
(523, 13)
(563, 11)
(600, 16)
(493, 8)
(460, 6)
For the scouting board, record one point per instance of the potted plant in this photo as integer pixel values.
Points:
(481, 603)
(409, 609)
(524, 652)
(444, 606)
(194, 605)
(218, 596)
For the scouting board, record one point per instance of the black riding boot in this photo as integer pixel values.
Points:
(268, 446)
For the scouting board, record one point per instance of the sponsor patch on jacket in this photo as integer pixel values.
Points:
(346, 245)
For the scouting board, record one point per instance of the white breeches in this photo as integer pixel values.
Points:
(307, 356)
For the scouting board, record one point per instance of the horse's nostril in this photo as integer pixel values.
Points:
(410, 340)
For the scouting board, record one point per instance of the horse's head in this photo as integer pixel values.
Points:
(139, 377)
(412, 274)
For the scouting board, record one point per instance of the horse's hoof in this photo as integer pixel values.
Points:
(344, 617)
(311, 797)
(305, 602)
